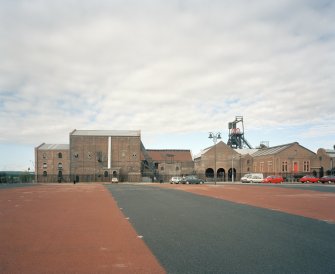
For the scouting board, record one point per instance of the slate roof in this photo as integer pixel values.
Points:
(245, 151)
(271, 150)
(330, 152)
(54, 147)
(120, 133)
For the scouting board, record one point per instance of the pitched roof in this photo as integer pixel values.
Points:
(54, 147)
(176, 155)
(271, 150)
(120, 133)
(245, 151)
(330, 152)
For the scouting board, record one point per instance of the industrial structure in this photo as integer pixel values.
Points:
(236, 137)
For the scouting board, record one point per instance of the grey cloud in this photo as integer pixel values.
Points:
(163, 65)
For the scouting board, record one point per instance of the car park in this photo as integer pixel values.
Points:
(175, 180)
(309, 179)
(192, 180)
(328, 179)
(275, 179)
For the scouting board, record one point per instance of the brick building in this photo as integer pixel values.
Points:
(100, 155)
(171, 162)
(220, 159)
(289, 160)
(325, 161)
(52, 163)
(91, 156)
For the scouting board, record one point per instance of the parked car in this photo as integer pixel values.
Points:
(115, 180)
(252, 178)
(175, 180)
(309, 179)
(192, 180)
(328, 179)
(273, 179)
(245, 178)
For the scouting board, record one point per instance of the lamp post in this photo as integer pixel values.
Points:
(214, 136)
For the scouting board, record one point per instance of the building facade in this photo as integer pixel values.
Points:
(100, 155)
(171, 162)
(290, 160)
(91, 156)
(52, 163)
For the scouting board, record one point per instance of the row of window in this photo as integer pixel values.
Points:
(99, 155)
(89, 155)
(60, 155)
(60, 166)
(284, 166)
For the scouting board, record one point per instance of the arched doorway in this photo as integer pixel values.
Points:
(60, 176)
(209, 173)
(221, 174)
(230, 173)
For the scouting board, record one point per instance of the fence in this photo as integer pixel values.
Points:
(16, 177)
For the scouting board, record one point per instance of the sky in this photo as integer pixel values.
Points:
(176, 70)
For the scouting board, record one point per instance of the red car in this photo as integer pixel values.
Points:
(309, 179)
(273, 179)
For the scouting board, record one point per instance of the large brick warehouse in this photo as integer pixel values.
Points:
(100, 155)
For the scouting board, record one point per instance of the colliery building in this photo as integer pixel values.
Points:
(100, 155)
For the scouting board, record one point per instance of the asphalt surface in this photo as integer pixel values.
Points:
(189, 233)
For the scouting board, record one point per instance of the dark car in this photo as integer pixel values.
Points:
(309, 179)
(328, 179)
(192, 180)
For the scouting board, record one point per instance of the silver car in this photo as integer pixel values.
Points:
(175, 180)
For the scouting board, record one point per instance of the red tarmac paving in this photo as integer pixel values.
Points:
(65, 228)
(68, 229)
(307, 203)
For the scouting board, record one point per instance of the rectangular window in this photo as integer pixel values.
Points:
(255, 167)
(306, 166)
(284, 166)
(261, 166)
(270, 169)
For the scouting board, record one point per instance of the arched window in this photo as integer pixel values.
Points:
(60, 155)
(60, 166)
(209, 173)
(106, 173)
(45, 173)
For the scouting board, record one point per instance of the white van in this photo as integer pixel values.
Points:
(252, 178)
(245, 178)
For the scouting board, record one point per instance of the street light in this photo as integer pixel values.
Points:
(214, 136)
